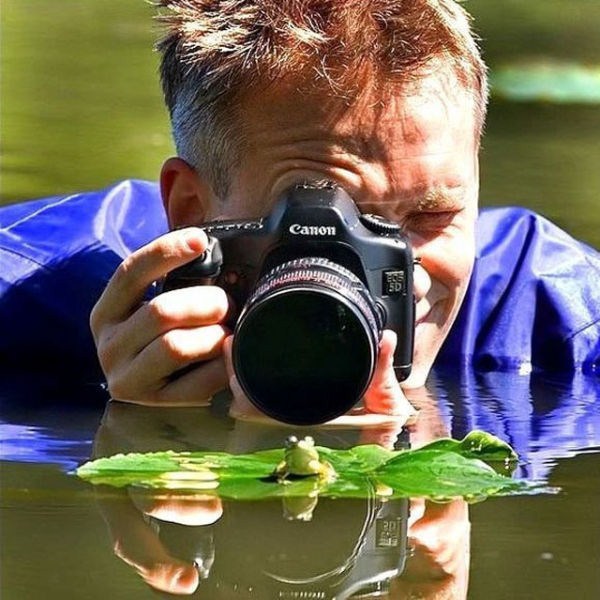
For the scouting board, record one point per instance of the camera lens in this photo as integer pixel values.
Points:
(306, 342)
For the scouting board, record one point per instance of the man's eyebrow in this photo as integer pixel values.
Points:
(439, 198)
(428, 199)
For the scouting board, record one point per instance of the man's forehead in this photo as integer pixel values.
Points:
(415, 113)
(423, 121)
(405, 146)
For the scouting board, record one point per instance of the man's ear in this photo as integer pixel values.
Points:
(186, 195)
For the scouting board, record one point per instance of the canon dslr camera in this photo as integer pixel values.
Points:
(317, 282)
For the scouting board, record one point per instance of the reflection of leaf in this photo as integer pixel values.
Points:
(441, 470)
(547, 82)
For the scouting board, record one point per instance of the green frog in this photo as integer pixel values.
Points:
(301, 459)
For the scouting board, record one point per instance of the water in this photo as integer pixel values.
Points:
(80, 109)
(59, 534)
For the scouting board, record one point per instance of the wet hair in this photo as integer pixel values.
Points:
(216, 51)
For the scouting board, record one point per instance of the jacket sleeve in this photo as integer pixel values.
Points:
(56, 256)
(533, 302)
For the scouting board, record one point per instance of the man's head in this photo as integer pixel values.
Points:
(216, 53)
(385, 97)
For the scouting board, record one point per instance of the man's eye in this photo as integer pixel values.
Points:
(430, 221)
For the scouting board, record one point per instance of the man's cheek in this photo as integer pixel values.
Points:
(430, 334)
(454, 262)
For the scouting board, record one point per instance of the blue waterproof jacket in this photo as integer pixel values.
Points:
(533, 302)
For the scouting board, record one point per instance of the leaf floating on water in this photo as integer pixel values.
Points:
(442, 476)
(477, 444)
(441, 471)
(149, 462)
(547, 81)
(483, 446)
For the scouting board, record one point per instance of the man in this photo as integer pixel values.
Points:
(384, 98)
(387, 101)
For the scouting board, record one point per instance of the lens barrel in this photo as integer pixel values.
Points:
(305, 345)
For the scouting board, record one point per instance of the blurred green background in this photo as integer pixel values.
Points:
(81, 106)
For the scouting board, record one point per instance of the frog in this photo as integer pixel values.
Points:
(301, 459)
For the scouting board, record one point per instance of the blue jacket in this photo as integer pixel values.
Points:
(533, 302)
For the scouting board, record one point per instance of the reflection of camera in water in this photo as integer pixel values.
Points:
(351, 548)
(318, 283)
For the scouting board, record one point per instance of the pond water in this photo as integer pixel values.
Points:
(61, 535)
(80, 109)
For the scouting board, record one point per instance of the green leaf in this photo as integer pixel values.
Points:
(442, 476)
(483, 446)
(442, 470)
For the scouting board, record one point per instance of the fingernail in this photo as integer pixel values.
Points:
(195, 238)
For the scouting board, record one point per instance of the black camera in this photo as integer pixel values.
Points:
(317, 282)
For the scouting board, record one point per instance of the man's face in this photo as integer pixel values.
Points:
(411, 158)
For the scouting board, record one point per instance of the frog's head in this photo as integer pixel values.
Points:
(293, 443)
(301, 456)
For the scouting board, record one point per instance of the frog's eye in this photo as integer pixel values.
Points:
(291, 441)
(309, 440)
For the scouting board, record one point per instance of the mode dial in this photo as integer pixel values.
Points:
(379, 224)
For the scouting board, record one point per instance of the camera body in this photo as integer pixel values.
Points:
(316, 239)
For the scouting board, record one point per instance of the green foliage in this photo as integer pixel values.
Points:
(442, 470)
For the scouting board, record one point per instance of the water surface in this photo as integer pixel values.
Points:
(60, 534)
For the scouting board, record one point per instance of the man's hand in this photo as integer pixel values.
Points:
(143, 346)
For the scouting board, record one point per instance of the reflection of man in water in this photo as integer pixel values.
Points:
(186, 541)
(384, 98)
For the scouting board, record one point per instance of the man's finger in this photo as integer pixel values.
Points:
(149, 375)
(127, 286)
(195, 388)
(185, 508)
(177, 309)
(137, 544)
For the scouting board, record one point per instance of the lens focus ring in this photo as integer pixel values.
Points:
(319, 271)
